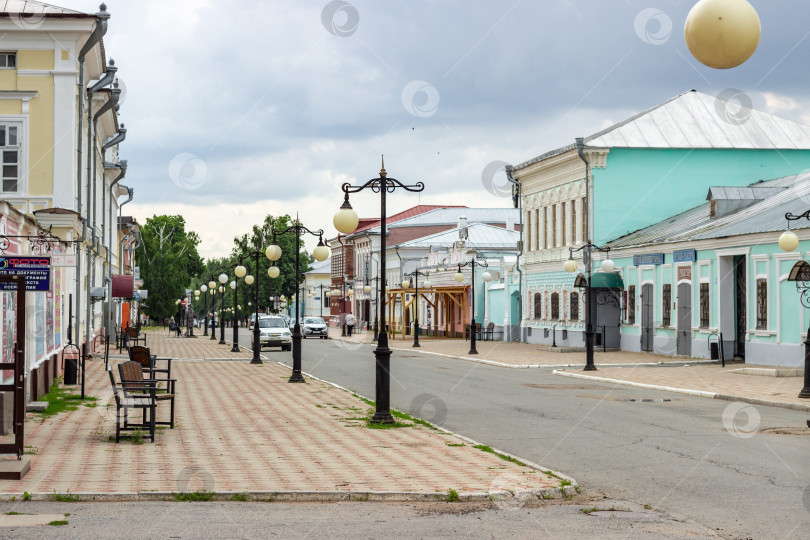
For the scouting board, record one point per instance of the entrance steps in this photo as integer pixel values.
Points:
(770, 372)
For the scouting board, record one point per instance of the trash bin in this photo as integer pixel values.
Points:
(71, 369)
(714, 351)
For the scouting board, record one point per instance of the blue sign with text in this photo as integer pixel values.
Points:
(37, 272)
(684, 255)
(650, 258)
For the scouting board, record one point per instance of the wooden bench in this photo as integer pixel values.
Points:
(132, 380)
(133, 336)
(148, 361)
(133, 398)
(489, 333)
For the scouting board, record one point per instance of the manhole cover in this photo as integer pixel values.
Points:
(786, 431)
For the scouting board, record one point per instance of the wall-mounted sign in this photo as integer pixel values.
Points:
(37, 272)
(648, 259)
(63, 260)
(684, 273)
(684, 255)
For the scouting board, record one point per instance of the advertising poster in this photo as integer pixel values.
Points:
(9, 323)
(49, 338)
(57, 311)
(38, 329)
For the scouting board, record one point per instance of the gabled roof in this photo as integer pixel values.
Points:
(480, 236)
(32, 7)
(322, 267)
(697, 120)
(410, 212)
(790, 194)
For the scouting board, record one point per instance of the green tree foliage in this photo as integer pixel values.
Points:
(167, 258)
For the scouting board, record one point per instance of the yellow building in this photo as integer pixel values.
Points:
(59, 136)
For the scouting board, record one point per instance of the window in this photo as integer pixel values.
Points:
(553, 225)
(545, 227)
(762, 304)
(538, 305)
(325, 300)
(574, 306)
(563, 228)
(537, 229)
(8, 60)
(667, 305)
(10, 149)
(573, 222)
(704, 305)
(631, 304)
(528, 230)
(555, 306)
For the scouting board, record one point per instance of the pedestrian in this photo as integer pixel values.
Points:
(173, 326)
(349, 324)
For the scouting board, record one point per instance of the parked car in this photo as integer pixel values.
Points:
(273, 332)
(314, 327)
(289, 322)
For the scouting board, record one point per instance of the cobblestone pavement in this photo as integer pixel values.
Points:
(242, 427)
(164, 343)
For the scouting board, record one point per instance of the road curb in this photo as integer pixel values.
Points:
(564, 477)
(287, 496)
(689, 392)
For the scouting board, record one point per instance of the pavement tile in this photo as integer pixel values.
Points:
(242, 427)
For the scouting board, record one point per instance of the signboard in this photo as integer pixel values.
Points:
(122, 286)
(63, 260)
(650, 258)
(37, 272)
(684, 255)
(684, 273)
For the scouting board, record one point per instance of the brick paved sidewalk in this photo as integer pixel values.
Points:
(162, 343)
(712, 378)
(242, 427)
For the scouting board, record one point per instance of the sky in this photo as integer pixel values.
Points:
(240, 108)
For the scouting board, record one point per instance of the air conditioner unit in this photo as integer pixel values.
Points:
(97, 293)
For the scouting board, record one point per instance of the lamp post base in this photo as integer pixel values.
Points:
(296, 378)
(382, 418)
(235, 348)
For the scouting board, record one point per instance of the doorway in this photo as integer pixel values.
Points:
(647, 317)
(684, 342)
(740, 299)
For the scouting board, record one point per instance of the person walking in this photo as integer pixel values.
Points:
(349, 324)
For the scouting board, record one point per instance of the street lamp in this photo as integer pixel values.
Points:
(203, 290)
(212, 289)
(406, 284)
(320, 254)
(571, 267)
(722, 34)
(346, 221)
(799, 274)
(327, 294)
(472, 264)
(223, 279)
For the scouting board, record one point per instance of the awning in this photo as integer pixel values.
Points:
(601, 280)
(123, 286)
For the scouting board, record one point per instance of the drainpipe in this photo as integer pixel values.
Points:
(130, 193)
(98, 33)
(115, 95)
(518, 267)
(122, 166)
(587, 254)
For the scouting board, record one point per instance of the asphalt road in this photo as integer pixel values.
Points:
(708, 460)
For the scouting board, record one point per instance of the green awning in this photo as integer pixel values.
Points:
(601, 280)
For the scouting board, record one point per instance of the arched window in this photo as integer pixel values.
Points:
(538, 305)
(574, 306)
(555, 306)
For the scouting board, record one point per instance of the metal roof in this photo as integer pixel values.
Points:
(450, 216)
(697, 120)
(742, 193)
(324, 267)
(789, 194)
(32, 7)
(480, 236)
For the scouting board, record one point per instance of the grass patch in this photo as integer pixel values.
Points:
(647, 507)
(58, 523)
(64, 497)
(360, 497)
(565, 483)
(91, 405)
(395, 413)
(194, 496)
(455, 444)
(60, 399)
(17, 514)
(136, 437)
(241, 497)
(452, 495)
(485, 448)
(26, 496)
(31, 450)
(377, 425)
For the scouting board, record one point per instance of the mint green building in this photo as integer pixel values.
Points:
(653, 172)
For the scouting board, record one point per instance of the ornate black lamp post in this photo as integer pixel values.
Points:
(571, 267)
(204, 292)
(346, 221)
(212, 290)
(240, 272)
(799, 274)
(321, 287)
(223, 278)
(460, 277)
(320, 253)
(406, 284)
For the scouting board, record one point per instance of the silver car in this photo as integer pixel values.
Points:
(314, 327)
(273, 332)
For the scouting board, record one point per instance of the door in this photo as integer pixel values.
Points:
(684, 343)
(647, 317)
(740, 299)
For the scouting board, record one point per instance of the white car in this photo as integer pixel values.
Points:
(273, 332)
(314, 327)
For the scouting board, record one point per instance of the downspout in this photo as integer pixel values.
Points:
(122, 166)
(519, 205)
(109, 76)
(95, 37)
(587, 253)
(112, 102)
(130, 193)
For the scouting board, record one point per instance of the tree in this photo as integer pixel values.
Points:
(167, 258)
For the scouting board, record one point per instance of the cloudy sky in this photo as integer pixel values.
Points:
(240, 108)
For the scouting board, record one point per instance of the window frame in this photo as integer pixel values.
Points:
(21, 123)
(555, 306)
(573, 307)
(704, 297)
(666, 304)
(8, 54)
(761, 303)
(631, 304)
